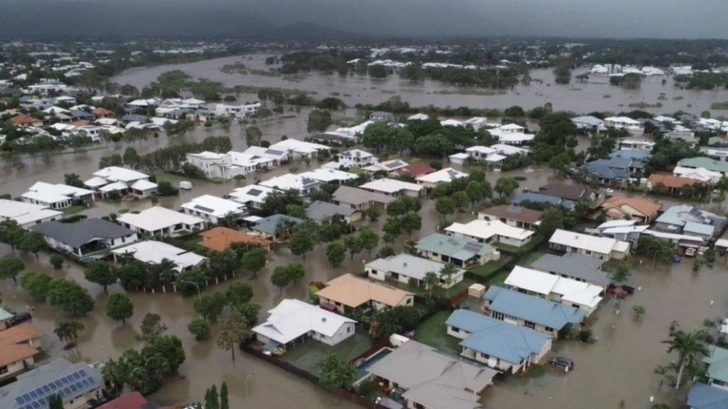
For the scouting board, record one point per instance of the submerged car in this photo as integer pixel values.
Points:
(562, 362)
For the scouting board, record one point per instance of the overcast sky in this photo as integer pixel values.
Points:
(587, 18)
(435, 18)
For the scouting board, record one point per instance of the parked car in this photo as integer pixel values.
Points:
(20, 318)
(562, 362)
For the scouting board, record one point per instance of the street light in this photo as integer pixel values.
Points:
(199, 295)
(247, 392)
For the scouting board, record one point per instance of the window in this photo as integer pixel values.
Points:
(3, 369)
(529, 324)
(484, 356)
(549, 329)
(348, 329)
(409, 301)
(588, 252)
(498, 315)
(455, 329)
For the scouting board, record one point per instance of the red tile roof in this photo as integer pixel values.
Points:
(418, 169)
(101, 112)
(24, 120)
(131, 400)
(670, 181)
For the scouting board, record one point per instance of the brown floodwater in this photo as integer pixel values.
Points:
(593, 95)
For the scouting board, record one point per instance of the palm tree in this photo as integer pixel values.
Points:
(690, 347)
(233, 331)
(446, 273)
(68, 331)
(114, 375)
(431, 281)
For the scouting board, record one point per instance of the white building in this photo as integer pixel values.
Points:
(408, 269)
(252, 196)
(56, 197)
(301, 183)
(213, 209)
(389, 166)
(393, 187)
(700, 174)
(297, 148)
(509, 150)
(239, 111)
(487, 231)
(27, 214)
(577, 294)
(355, 157)
(603, 248)
(153, 252)
(228, 165)
(333, 176)
(161, 221)
(446, 175)
(115, 178)
(512, 134)
(293, 320)
(623, 122)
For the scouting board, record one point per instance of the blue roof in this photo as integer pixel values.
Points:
(702, 396)
(680, 215)
(496, 338)
(631, 154)
(541, 198)
(603, 171)
(530, 308)
(270, 224)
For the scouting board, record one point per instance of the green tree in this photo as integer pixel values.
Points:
(10, 267)
(621, 274)
(369, 239)
(119, 307)
(32, 242)
(295, 210)
(72, 179)
(336, 253)
(560, 163)
(210, 306)
(318, 121)
(354, 245)
(253, 136)
(690, 348)
(152, 327)
(55, 401)
(56, 261)
(224, 403)
(336, 372)
(68, 331)
(505, 186)
(212, 400)
(281, 277)
(254, 260)
(70, 297)
(199, 328)
(373, 213)
(431, 281)
(169, 347)
(377, 136)
(446, 273)
(131, 157)
(461, 200)
(239, 293)
(132, 275)
(233, 331)
(100, 272)
(300, 243)
(445, 206)
(410, 222)
(37, 285)
(11, 233)
(552, 219)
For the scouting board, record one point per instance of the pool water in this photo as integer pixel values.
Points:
(361, 370)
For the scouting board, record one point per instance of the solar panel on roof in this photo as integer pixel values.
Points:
(64, 380)
(28, 406)
(19, 399)
(473, 247)
(73, 387)
(203, 208)
(36, 405)
(46, 388)
(33, 394)
(274, 152)
(82, 372)
(254, 192)
(513, 210)
(67, 390)
(453, 242)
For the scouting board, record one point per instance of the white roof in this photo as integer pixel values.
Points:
(294, 318)
(616, 223)
(701, 174)
(532, 280)
(119, 174)
(356, 153)
(114, 186)
(601, 245)
(515, 137)
(442, 175)
(96, 182)
(107, 121)
(721, 243)
(207, 155)
(143, 184)
(61, 189)
(451, 122)
(545, 284)
(418, 117)
(508, 150)
(291, 181)
(461, 155)
(45, 197)
(23, 212)
(485, 229)
(625, 229)
(157, 218)
(251, 193)
(214, 206)
(512, 127)
(298, 146)
(387, 185)
(494, 157)
(247, 160)
(153, 252)
(276, 154)
(482, 149)
(408, 265)
(673, 236)
(330, 175)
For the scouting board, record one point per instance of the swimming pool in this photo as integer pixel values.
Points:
(361, 370)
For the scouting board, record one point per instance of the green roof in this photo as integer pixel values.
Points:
(703, 162)
(457, 248)
(717, 361)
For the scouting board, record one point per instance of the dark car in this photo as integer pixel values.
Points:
(20, 318)
(562, 362)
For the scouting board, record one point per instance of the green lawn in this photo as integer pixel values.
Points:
(518, 251)
(433, 332)
(309, 353)
(490, 267)
(500, 278)
(74, 209)
(461, 286)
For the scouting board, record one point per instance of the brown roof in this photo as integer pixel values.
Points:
(24, 120)
(670, 180)
(11, 353)
(82, 122)
(353, 291)
(19, 334)
(644, 206)
(520, 214)
(564, 191)
(418, 169)
(220, 238)
(101, 111)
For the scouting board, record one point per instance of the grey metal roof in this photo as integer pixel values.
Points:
(32, 389)
(81, 232)
(356, 196)
(319, 210)
(573, 265)
(270, 224)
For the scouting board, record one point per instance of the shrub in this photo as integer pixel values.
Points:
(199, 328)
(56, 261)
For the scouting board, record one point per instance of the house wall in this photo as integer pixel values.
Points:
(82, 401)
(513, 242)
(15, 368)
(55, 206)
(553, 332)
(492, 362)
(457, 332)
(569, 249)
(345, 331)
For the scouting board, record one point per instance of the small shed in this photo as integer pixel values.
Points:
(476, 290)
